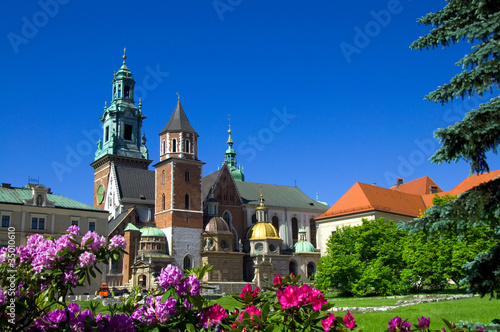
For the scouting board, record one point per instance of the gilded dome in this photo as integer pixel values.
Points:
(217, 225)
(261, 231)
(152, 232)
(303, 246)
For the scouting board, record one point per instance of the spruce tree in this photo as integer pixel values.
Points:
(476, 22)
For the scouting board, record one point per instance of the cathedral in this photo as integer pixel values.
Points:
(247, 231)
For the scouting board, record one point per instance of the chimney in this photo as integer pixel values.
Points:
(400, 182)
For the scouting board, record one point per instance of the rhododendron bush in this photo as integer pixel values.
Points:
(37, 278)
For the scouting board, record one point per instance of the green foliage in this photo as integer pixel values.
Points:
(363, 260)
(477, 22)
(376, 258)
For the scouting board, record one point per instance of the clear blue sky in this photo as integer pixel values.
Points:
(320, 93)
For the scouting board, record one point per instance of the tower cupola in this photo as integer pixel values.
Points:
(230, 158)
(123, 84)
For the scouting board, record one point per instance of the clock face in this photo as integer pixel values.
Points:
(100, 193)
(259, 246)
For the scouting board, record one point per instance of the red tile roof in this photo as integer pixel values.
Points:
(420, 186)
(409, 199)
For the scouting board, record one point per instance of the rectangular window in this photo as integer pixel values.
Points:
(127, 134)
(5, 221)
(106, 137)
(74, 222)
(37, 223)
(91, 226)
(41, 223)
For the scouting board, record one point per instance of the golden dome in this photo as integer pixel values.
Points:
(262, 231)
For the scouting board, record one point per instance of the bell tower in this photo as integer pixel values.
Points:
(122, 142)
(178, 208)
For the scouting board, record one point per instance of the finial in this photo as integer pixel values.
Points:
(178, 96)
(261, 197)
(124, 56)
(317, 197)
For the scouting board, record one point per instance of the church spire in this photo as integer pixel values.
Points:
(230, 157)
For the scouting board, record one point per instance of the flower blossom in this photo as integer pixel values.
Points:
(277, 280)
(213, 314)
(397, 324)
(3, 296)
(65, 242)
(70, 277)
(189, 285)
(86, 259)
(169, 276)
(294, 296)
(248, 289)
(349, 321)
(424, 322)
(155, 311)
(96, 243)
(329, 321)
(251, 310)
(75, 230)
(117, 241)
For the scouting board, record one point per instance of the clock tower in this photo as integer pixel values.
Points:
(121, 143)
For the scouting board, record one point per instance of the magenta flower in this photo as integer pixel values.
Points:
(159, 311)
(251, 310)
(169, 276)
(397, 324)
(117, 241)
(329, 321)
(34, 240)
(349, 321)
(70, 277)
(65, 242)
(192, 285)
(120, 322)
(86, 259)
(213, 314)
(248, 289)
(277, 280)
(25, 254)
(424, 322)
(3, 255)
(3, 296)
(95, 242)
(75, 230)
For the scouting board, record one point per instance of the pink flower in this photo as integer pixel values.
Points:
(94, 241)
(329, 321)
(65, 242)
(3, 296)
(86, 259)
(248, 289)
(169, 276)
(397, 324)
(117, 241)
(70, 277)
(75, 230)
(251, 310)
(424, 322)
(213, 314)
(277, 280)
(349, 321)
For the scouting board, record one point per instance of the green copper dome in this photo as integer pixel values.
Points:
(152, 231)
(131, 227)
(303, 246)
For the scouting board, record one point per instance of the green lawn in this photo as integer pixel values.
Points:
(474, 309)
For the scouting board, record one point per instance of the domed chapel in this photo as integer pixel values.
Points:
(173, 214)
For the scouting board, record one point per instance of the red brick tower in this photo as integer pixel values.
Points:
(178, 208)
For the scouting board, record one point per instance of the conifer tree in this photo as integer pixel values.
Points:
(476, 22)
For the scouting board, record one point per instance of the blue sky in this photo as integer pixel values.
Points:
(320, 94)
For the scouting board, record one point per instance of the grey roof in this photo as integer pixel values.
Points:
(207, 183)
(178, 121)
(136, 183)
(14, 195)
(277, 196)
(117, 221)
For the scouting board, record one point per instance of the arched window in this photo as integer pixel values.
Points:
(187, 262)
(292, 268)
(119, 90)
(312, 227)
(310, 269)
(227, 217)
(163, 177)
(295, 230)
(127, 92)
(174, 145)
(276, 223)
(187, 146)
(163, 201)
(186, 202)
(186, 176)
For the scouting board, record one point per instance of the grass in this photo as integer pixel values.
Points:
(474, 310)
